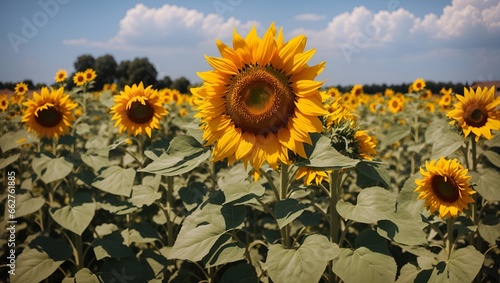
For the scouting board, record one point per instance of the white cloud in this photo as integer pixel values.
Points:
(309, 17)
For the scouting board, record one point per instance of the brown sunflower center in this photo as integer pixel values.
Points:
(445, 188)
(48, 117)
(260, 100)
(140, 113)
(475, 115)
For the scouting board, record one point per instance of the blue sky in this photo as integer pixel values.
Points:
(362, 42)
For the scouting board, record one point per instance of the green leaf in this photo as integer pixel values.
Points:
(225, 250)
(143, 195)
(242, 193)
(140, 232)
(96, 158)
(324, 156)
(107, 98)
(240, 273)
(199, 233)
(493, 157)
(363, 265)
(194, 193)
(4, 162)
(373, 204)
(27, 204)
(435, 130)
(409, 274)
(111, 246)
(447, 144)
(12, 140)
(288, 210)
(116, 180)
(115, 205)
(372, 241)
(233, 215)
(408, 198)
(463, 266)
(34, 266)
(487, 184)
(395, 134)
(183, 155)
(76, 216)
(304, 264)
(489, 228)
(51, 169)
(84, 275)
(56, 249)
(375, 171)
(403, 228)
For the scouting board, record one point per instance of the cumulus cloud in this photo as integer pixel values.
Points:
(309, 17)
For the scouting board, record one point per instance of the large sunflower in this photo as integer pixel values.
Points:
(444, 187)
(475, 112)
(138, 110)
(261, 100)
(49, 113)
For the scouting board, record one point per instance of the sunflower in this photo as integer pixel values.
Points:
(366, 145)
(445, 102)
(395, 105)
(79, 78)
(61, 76)
(429, 107)
(475, 112)
(418, 84)
(21, 88)
(4, 102)
(89, 75)
(426, 94)
(349, 141)
(261, 100)
(444, 187)
(389, 92)
(357, 90)
(49, 113)
(309, 174)
(138, 110)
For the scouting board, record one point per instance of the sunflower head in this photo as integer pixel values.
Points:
(260, 101)
(138, 110)
(477, 112)
(395, 104)
(389, 92)
(4, 102)
(79, 78)
(61, 76)
(418, 85)
(357, 90)
(89, 75)
(50, 113)
(347, 139)
(21, 88)
(308, 175)
(444, 187)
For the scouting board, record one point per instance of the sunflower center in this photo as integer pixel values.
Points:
(445, 188)
(140, 113)
(260, 100)
(475, 115)
(48, 117)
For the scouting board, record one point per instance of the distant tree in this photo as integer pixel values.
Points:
(106, 69)
(166, 82)
(181, 84)
(83, 62)
(134, 72)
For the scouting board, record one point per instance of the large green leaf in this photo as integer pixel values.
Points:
(373, 204)
(141, 232)
(288, 210)
(240, 273)
(233, 215)
(76, 216)
(493, 157)
(143, 195)
(395, 134)
(487, 184)
(27, 204)
(375, 171)
(84, 275)
(324, 156)
(116, 180)
(16, 139)
(411, 274)
(199, 233)
(304, 264)
(225, 250)
(447, 144)
(240, 193)
(403, 228)
(463, 265)
(363, 265)
(435, 130)
(408, 198)
(112, 246)
(51, 169)
(489, 228)
(96, 158)
(4, 162)
(183, 155)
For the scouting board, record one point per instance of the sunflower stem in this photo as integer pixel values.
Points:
(285, 231)
(449, 234)
(170, 224)
(335, 182)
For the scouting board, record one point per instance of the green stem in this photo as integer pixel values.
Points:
(449, 232)
(77, 240)
(283, 190)
(335, 182)
(170, 224)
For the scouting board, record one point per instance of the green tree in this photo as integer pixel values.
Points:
(181, 84)
(136, 71)
(106, 69)
(83, 62)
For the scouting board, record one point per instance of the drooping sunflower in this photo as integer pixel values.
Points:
(138, 110)
(476, 112)
(418, 84)
(61, 76)
(79, 78)
(308, 175)
(21, 88)
(444, 187)
(366, 144)
(348, 140)
(4, 102)
(261, 100)
(50, 113)
(90, 75)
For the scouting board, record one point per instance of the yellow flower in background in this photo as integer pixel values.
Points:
(429, 107)
(79, 78)
(21, 88)
(89, 75)
(61, 76)
(4, 102)
(357, 90)
(50, 113)
(445, 102)
(395, 104)
(389, 92)
(445, 91)
(337, 112)
(183, 112)
(476, 112)
(366, 145)
(426, 94)
(309, 174)
(138, 110)
(444, 187)
(418, 84)
(261, 100)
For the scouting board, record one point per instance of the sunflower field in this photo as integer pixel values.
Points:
(261, 174)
